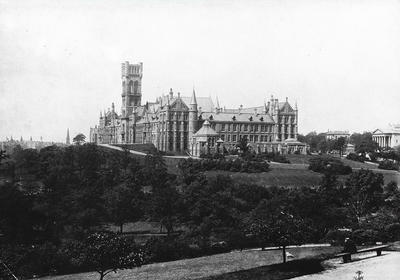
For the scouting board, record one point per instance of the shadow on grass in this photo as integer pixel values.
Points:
(276, 271)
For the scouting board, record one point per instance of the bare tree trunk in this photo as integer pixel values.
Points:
(284, 253)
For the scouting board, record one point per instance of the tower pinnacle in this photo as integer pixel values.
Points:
(67, 141)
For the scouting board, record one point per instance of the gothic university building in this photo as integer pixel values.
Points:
(193, 124)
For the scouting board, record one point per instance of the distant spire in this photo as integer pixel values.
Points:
(193, 101)
(112, 107)
(101, 114)
(21, 139)
(67, 141)
(218, 107)
(295, 105)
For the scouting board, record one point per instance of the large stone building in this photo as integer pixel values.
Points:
(193, 124)
(387, 137)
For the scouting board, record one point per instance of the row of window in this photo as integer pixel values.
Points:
(286, 119)
(245, 127)
(251, 138)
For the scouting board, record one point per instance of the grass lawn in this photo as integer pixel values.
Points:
(284, 175)
(205, 266)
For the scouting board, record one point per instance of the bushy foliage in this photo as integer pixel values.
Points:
(388, 165)
(355, 157)
(108, 252)
(327, 164)
(276, 157)
(234, 165)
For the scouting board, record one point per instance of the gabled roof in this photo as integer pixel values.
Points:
(285, 107)
(204, 104)
(179, 104)
(242, 117)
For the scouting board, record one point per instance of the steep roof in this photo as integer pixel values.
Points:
(242, 117)
(204, 104)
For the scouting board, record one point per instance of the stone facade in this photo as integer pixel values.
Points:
(172, 121)
(387, 137)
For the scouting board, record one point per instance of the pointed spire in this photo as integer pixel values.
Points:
(218, 107)
(193, 101)
(113, 107)
(101, 114)
(67, 141)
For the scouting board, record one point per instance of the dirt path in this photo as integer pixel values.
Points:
(385, 267)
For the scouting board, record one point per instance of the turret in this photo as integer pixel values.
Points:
(192, 116)
(217, 107)
(67, 140)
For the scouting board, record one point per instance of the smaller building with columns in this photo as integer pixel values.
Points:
(388, 137)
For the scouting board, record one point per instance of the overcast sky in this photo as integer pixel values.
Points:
(60, 60)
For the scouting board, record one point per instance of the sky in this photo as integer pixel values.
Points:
(60, 61)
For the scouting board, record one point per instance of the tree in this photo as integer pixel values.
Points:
(166, 207)
(79, 139)
(276, 226)
(243, 145)
(363, 142)
(340, 143)
(365, 190)
(108, 252)
(124, 204)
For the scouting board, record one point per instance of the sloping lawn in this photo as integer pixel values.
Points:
(278, 176)
(204, 266)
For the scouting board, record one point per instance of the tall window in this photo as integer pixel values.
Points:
(130, 87)
(136, 87)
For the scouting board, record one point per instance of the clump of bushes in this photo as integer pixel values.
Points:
(329, 165)
(355, 157)
(276, 157)
(235, 165)
(388, 165)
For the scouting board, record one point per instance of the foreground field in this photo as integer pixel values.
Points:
(204, 266)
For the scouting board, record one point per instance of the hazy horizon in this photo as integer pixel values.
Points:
(60, 60)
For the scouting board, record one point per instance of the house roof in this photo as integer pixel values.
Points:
(242, 117)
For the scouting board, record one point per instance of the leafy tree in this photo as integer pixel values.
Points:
(108, 252)
(124, 204)
(340, 144)
(243, 145)
(166, 207)
(363, 142)
(79, 139)
(365, 190)
(278, 227)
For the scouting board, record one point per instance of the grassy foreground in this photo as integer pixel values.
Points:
(207, 266)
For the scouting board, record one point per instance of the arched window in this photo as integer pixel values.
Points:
(130, 87)
(135, 87)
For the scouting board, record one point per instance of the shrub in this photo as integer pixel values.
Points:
(236, 165)
(355, 157)
(388, 165)
(337, 236)
(366, 236)
(329, 165)
(276, 157)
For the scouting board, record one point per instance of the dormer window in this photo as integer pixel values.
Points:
(234, 118)
(251, 118)
(262, 119)
(211, 117)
